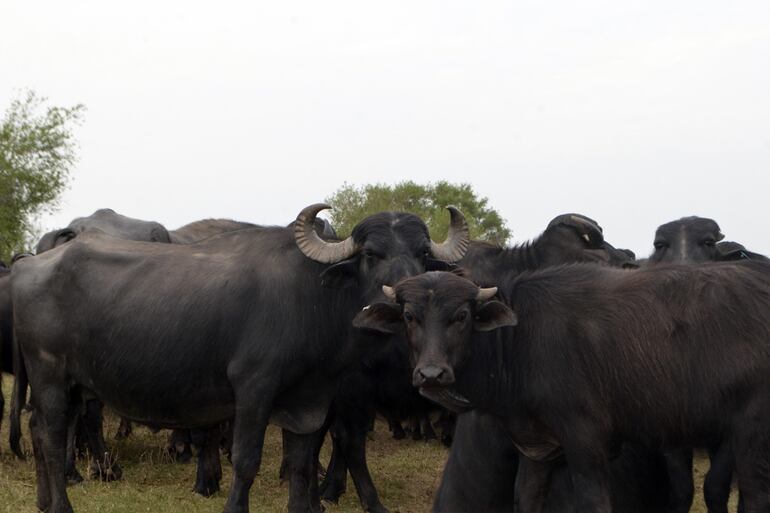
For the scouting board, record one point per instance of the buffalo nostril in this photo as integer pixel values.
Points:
(432, 375)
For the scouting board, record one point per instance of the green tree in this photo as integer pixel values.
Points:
(351, 204)
(37, 151)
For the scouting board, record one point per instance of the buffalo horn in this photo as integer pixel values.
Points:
(457, 241)
(313, 246)
(486, 294)
(389, 292)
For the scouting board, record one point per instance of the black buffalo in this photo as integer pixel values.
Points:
(89, 424)
(382, 381)
(694, 240)
(109, 222)
(669, 356)
(6, 324)
(482, 463)
(252, 325)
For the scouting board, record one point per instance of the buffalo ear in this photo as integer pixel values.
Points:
(382, 317)
(492, 315)
(341, 275)
(438, 265)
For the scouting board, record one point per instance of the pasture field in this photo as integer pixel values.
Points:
(405, 472)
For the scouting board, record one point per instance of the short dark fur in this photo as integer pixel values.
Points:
(188, 336)
(386, 375)
(672, 356)
(693, 240)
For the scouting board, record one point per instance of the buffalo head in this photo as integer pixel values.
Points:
(577, 238)
(690, 239)
(439, 312)
(382, 249)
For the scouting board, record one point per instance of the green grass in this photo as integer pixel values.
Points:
(406, 474)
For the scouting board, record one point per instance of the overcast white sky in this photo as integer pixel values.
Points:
(633, 113)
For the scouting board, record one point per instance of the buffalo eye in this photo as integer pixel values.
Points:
(660, 245)
(369, 255)
(460, 316)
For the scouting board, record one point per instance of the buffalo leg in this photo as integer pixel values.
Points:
(751, 446)
(532, 481)
(52, 403)
(249, 428)
(427, 430)
(355, 456)
(397, 429)
(414, 423)
(209, 470)
(70, 469)
(102, 465)
(41, 474)
(179, 445)
(716, 487)
(301, 461)
(679, 465)
(587, 454)
(335, 482)
(124, 429)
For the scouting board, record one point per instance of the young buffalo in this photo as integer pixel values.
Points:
(667, 357)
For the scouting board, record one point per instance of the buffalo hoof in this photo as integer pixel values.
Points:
(43, 506)
(73, 478)
(331, 490)
(416, 435)
(206, 487)
(398, 431)
(319, 508)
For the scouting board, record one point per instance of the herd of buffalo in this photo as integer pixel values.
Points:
(565, 374)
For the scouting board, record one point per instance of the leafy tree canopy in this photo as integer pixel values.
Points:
(37, 151)
(353, 203)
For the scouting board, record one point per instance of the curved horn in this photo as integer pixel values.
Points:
(457, 240)
(312, 245)
(485, 294)
(389, 292)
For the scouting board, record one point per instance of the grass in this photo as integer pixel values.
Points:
(405, 472)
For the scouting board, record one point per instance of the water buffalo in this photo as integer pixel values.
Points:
(382, 381)
(6, 324)
(589, 356)
(483, 461)
(109, 222)
(89, 425)
(694, 240)
(252, 325)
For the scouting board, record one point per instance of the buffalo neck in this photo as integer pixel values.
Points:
(488, 264)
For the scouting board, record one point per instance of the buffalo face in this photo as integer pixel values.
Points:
(687, 240)
(382, 249)
(439, 313)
